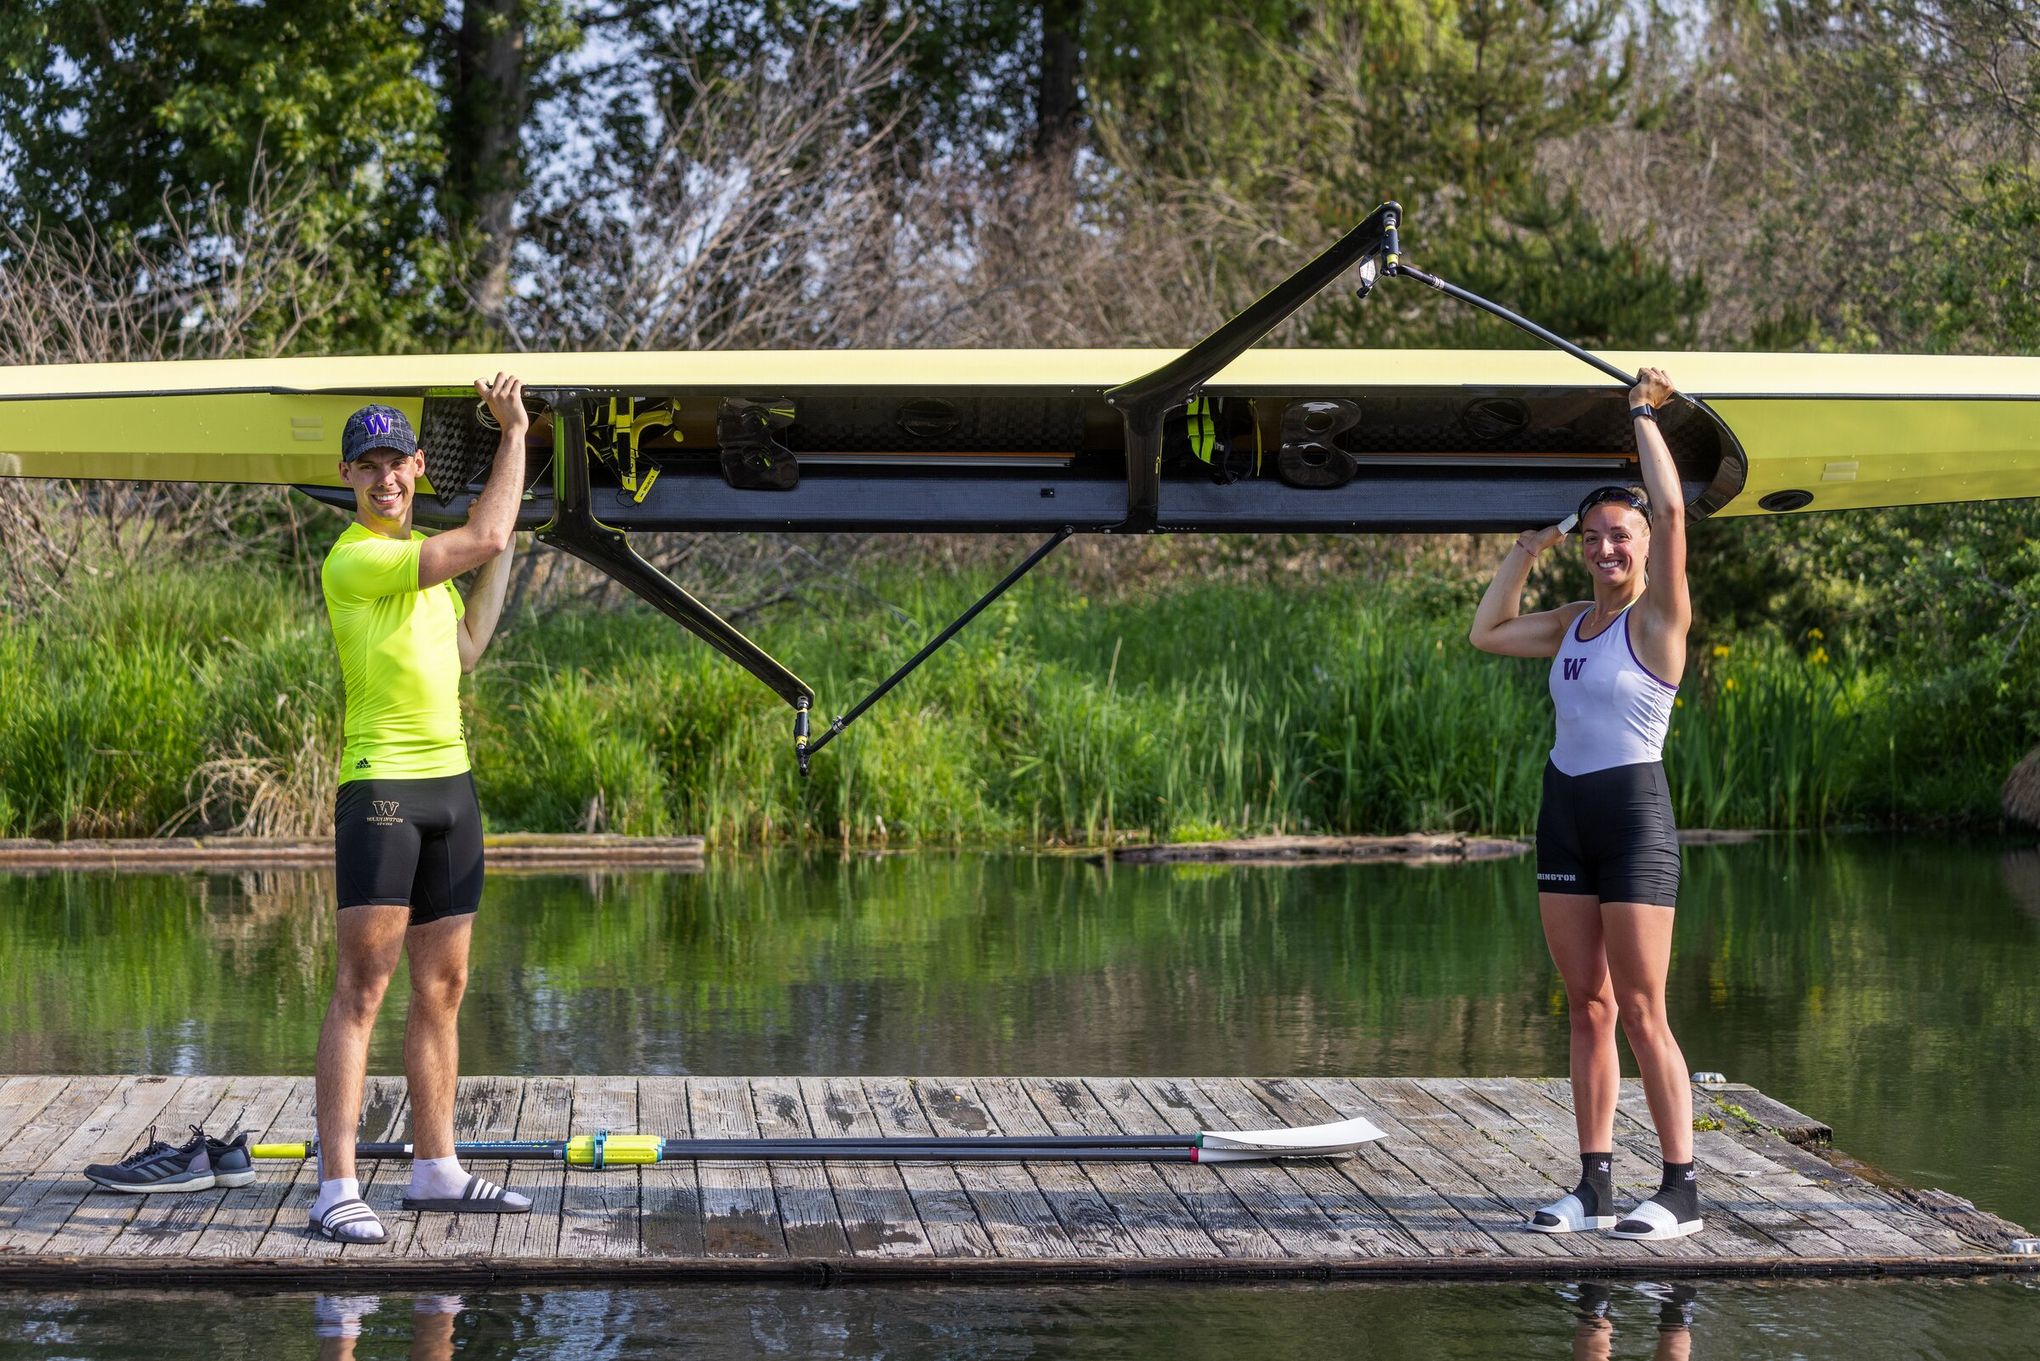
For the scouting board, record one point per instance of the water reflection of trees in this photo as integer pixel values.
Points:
(1793, 959)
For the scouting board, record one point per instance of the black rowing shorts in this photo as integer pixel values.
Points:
(1608, 834)
(409, 842)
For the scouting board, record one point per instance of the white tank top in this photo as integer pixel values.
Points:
(1611, 710)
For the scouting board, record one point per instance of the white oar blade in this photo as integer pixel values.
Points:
(1305, 1141)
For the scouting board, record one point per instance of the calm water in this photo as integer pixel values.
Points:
(1891, 988)
(1988, 1320)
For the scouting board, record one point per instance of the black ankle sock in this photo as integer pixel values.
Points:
(1597, 1183)
(1675, 1308)
(1680, 1192)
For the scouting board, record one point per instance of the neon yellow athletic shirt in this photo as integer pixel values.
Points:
(399, 658)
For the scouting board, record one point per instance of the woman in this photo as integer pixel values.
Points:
(1607, 852)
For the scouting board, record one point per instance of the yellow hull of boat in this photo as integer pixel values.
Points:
(1853, 431)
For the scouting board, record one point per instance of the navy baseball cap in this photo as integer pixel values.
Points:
(376, 427)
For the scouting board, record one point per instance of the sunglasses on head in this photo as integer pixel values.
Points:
(1620, 496)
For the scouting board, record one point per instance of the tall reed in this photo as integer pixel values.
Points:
(207, 698)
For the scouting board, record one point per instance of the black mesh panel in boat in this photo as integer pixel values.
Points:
(458, 447)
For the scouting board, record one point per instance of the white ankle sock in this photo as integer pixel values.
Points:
(437, 1178)
(341, 1315)
(332, 1192)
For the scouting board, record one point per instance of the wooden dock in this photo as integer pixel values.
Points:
(1443, 1195)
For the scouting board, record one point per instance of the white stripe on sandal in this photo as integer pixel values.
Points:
(349, 1221)
(479, 1196)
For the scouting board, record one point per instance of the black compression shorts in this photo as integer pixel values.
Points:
(1608, 834)
(409, 842)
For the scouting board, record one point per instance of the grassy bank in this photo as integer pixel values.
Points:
(210, 699)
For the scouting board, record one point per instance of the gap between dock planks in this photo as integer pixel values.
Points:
(1442, 1196)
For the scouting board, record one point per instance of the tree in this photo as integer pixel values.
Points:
(119, 119)
(1284, 122)
(1856, 176)
(397, 129)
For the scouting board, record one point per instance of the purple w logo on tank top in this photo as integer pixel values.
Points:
(1573, 667)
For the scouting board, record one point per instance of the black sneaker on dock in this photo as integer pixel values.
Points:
(159, 1167)
(231, 1162)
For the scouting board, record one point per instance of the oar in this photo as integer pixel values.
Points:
(612, 1150)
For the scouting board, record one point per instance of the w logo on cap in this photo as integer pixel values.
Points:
(377, 427)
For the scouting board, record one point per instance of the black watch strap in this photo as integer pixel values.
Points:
(1644, 412)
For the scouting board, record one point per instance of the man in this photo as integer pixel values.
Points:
(407, 831)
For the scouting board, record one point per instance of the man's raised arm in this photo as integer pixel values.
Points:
(492, 521)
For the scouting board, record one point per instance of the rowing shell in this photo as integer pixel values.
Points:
(990, 440)
(1218, 437)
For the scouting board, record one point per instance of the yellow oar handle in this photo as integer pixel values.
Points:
(298, 1151)
(612, 1150)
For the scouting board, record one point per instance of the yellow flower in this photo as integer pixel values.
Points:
(1815, 634)
(1728, 684)
(1721, 649)
(1819, 657)
(1678, 703)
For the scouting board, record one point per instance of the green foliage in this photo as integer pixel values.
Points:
(1544, 258)
(1194, 711)
(112, 701)
(1887, 182)
(121, 118)
(1304, 117)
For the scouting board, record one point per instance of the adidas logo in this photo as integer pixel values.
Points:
(362, 764)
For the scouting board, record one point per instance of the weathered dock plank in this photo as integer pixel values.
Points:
(1443, 1195)
(880, 1216)
(546, 1112)
(950, 1215)
(1424, 1196)
(484, 1109)
(807, 1203)
(1359, 1217)
(1218, 1197)
(246, 1216)
(740, 1213)
(1491, 1193)
(1084, 1211)
(39, 1203)
(22, 1099)
(599, 1213)
(1161, 1225)
(669, 1194)
(1016, 1213)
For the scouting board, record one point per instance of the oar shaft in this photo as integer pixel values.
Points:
(1007, 1149)
(887, 1150)
(963, 1141)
